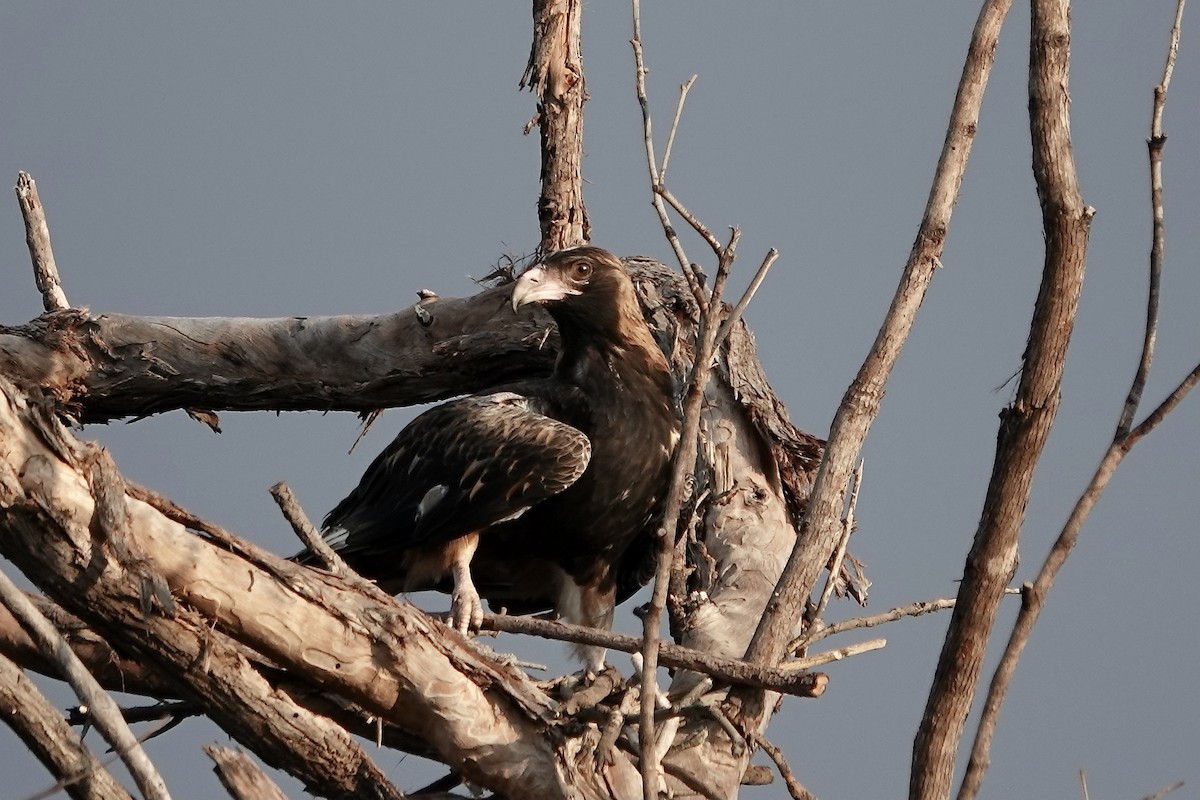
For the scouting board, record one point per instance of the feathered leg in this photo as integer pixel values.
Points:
(466, 609)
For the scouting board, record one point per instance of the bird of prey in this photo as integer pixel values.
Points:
(530, 495)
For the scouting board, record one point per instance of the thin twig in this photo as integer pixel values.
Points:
(1083, 785)
(917, 609)
(1155, 145)
(683, 93)
(673, 656)
(689, 217)
(829, 656)
(794, 787)
(690, 273)
(104, 710)
(1166, 790)
(670, 551)
(835, 566)
(306, 531)
(733, 316)
(37, 236)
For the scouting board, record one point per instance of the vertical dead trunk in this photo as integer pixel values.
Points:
(1025, 424)
(555, 75)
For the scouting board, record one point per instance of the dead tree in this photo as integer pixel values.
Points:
(292, 661)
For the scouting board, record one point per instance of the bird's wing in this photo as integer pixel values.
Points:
(458, 468)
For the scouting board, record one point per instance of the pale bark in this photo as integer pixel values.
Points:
(240, 776)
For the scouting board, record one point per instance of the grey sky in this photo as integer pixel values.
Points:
(277, 159)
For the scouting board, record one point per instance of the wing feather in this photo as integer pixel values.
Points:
(458, 468)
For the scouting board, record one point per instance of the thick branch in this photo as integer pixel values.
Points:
(240, 776)
(1026, 424)
(485, 719)
(110, 366)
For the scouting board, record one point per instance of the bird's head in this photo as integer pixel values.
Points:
(583, 287)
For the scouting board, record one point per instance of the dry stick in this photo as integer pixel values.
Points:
(683, 93)
(917, 609)
(690, 273)
(835, 566)
(1155, 143)
(37, 236)
(105, 711)
(819, 528)
(44, 731)
(1033, 595)
(241, 776)
(684, 467)
(1163, 792)
(689, 217)
(736, 314)
(1083, 784)
(730, 670)
(794, 787)
(306, 531)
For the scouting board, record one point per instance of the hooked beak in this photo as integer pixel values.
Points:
(538, 286)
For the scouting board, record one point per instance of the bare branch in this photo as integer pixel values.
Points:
(1155, 145)
(670, 655)
(1034, 594)
(689, 218)
(733, 316)
(819, 529)
(794, 787)
(1163, 792)
(690, 272)
(37, 236)
(683, 93)
(555, 75)
(835, 565)
(41, 727)
(670, 550)
(104, 710)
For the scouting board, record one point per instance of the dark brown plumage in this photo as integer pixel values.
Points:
(531, 495)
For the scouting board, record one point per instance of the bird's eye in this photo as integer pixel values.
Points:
(581, 270)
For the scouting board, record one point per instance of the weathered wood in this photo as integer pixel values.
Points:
(48, 736)
(108, 366)
(1025, 425)
(761, 463)
(555, 75)
(240, 776)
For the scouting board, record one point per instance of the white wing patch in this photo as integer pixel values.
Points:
(431, 499)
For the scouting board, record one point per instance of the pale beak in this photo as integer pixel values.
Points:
(538, 286)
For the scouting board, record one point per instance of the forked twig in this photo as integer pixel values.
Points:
(683, 93)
